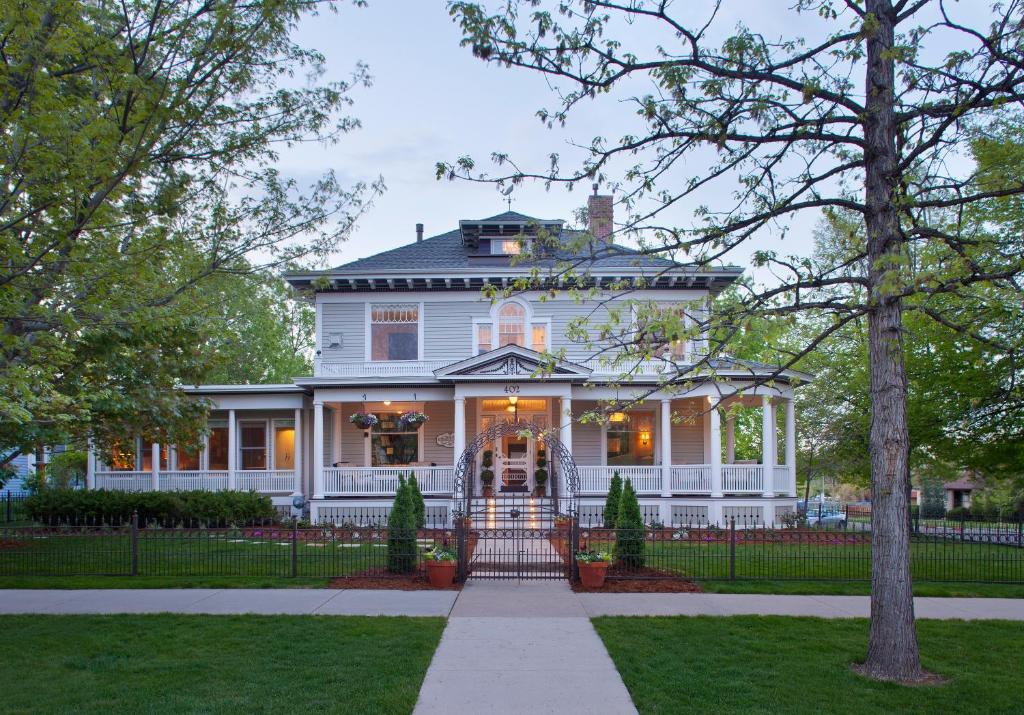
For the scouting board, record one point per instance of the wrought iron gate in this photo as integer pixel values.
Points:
(515, 537)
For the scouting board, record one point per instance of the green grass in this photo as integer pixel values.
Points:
(862, 588)
(72, 582)
(755, 664)
(214, 664)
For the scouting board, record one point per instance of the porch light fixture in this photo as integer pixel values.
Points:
(645, 438)
(387, 403)
(617, 417)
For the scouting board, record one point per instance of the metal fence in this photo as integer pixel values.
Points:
(982, 552)
(12, 507)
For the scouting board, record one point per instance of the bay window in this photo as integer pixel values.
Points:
(394, 331)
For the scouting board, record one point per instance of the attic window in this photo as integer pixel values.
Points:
(508, 246)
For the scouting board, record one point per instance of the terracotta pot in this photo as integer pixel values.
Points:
(441, 573)
(593, 574)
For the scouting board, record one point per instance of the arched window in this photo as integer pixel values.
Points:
(512, 325)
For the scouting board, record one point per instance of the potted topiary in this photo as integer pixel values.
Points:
(441, 567)
(363, 420)
(487, 474)
(593, 566)
(540, 475)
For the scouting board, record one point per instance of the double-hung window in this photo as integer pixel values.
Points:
(217, 446)
(394, 331)
(253, 448)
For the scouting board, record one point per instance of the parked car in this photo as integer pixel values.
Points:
(827, 519)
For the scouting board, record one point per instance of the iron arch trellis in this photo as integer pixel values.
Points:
(557, 454)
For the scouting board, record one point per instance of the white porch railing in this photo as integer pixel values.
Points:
(255, 480)
(384, 368)
(780, 479)
(742, 478)
(596, 480)
(187, 480)
(383, 481)
(125, 481)
(691, 479)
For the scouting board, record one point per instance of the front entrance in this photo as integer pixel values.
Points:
(514, 454)
(516, 537)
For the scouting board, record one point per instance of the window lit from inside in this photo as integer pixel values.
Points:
(253, 445)
(394, 331)
(507, 247)
(630, 438)
(392, 443)
(483, 338)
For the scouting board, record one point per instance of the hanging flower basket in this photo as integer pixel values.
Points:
(412, 420)
(364, 420)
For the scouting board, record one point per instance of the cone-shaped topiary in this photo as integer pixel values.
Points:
(418, 505)
(629, 530)
(611, 503)
(402, 532)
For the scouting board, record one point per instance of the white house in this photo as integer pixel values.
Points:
(408, 330)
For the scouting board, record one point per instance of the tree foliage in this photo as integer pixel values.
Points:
(137, 153)
(630, 539)
(611, 502)
(402, 531)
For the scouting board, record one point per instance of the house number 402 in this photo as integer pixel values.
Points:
(511, 389)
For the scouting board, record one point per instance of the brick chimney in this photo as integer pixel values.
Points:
(600, 214)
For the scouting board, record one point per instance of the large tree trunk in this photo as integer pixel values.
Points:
(892, 645)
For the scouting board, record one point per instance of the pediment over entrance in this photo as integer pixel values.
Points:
(510, 361)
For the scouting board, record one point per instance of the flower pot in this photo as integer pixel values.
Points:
(441, 573)
(593, 573)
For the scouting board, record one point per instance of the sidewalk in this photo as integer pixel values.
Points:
(521, 648)
(358, 602)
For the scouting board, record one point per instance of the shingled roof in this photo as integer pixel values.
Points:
(446, 250)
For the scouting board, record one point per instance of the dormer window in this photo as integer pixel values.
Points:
(508, 247)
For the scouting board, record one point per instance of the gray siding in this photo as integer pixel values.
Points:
(562, 312)
(349, 321)
(687, 436)
(448, 328)
(352, 439)
(586, 438)
(442, 420)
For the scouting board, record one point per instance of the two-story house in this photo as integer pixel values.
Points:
(409, 330)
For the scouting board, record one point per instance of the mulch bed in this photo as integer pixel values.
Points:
(381, 579)
(645, 580)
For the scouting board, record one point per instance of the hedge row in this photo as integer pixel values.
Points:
(75, 506)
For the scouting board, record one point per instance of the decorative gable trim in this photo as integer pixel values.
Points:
(506, 362)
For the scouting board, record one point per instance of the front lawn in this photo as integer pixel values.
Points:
(751, 664)
(214, 664)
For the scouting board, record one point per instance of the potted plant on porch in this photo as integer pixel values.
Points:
(487, 474)
(593, 566)
(540, 475)
(441, 567)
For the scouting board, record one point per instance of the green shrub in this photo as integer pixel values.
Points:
(629, 530)
(611, 503)
(540, 475)
(418, 505)
(933, 505)
(196, 508)
(67, 469)
(958, 512)
(402, 532)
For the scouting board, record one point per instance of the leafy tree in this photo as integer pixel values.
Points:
(611, 502)
(419, 506)
(933, 498)
(137, 149)
(402, 531)
(861, 113)
(67, 469)
(629, 529)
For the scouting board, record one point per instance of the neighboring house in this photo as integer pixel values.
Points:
(958, 493)
(408, 330)
(22, 464)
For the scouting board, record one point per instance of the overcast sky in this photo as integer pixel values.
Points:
(432, 100)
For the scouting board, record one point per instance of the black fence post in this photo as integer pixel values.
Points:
(732, 548)
(460, 547)
(295, 548)
(10, 511)
(135, 543)
(574, 547)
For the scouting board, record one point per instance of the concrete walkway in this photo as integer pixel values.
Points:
(521, 648)
(269, 601)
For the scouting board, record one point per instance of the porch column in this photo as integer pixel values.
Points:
(336, 435)
(666, 448)
(318, 449)
(155, 465)
(767, 445)
(297, 450)
(565, 435)
(730, 440)
(90, 467)
(459, 430)
(715, 448)
(232, 449)
(791, 446)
